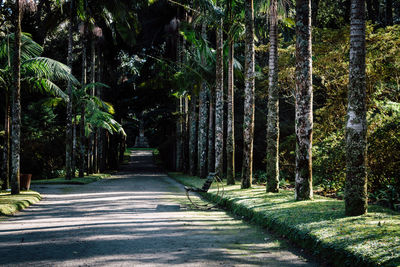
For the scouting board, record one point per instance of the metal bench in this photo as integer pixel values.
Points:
(212, 177)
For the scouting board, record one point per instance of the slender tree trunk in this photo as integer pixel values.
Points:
(356, 127)
(203, 119)
(193, 135)
(83, 110)
(16, 105)
(304, 99)
(186, 167)
(370, 11)
(219, 102)
(389, 12)
(6, 149)
(211, 134)
(73, 160)
(273, 104)
(92, 137)
(100, 132)
(377, 11)
(230, 131)
(68, 138)
(203, 122)
(178, 154)
(315, 8)
(249, 84)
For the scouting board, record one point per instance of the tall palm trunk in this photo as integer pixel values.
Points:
(203, 119)
(193, 135)
(6, 148)
(219, 102)
(16, 105)
(100, 132)
(92, 147)
(273, 103)
(356, 128)
(211, 133)
(68, 138)
(178, 154)
(230, 131)
(249, 88)
(304, 98)
(203, 132)
(83, 108)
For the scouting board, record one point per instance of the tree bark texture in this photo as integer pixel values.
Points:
(73, 158)
(203, 130)
(178, 137)
(91, 144)
(304, 99)
(6, 148)
(230, 131)
(193, 135)
(211, 133)
(356, 127)
(100, 131)
(219, 102)
(16, 105)
(68, 137)
(273, 104)
(230, 125)
(249, 90)
(83, 108)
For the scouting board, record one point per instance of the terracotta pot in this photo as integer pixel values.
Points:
(25, 181)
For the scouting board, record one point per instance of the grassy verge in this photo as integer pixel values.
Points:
(85, 180)
(318, 226)
(9, 204)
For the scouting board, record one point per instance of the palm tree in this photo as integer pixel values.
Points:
(69, 130)
(219, 100)
(304, 98)
(16, 103)
(38, 73)
(248, 122)
(273, 103)
(356, 127)
(230, 131)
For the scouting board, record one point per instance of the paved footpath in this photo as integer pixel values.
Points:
(137, 218)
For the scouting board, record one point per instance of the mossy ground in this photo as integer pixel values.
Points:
(9, 204)
(319, 225)
(85, 180)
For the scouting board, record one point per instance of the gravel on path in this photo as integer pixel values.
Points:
(136, 218)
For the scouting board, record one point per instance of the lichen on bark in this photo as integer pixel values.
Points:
(303, 98)
(356, 200)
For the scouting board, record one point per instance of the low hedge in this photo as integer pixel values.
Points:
(10, 204)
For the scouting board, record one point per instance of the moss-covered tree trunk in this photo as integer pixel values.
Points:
(249, 88)
(69, 130)
(6, 147)
(273, 103)
(304, 98)
(193, 135)
(356, 127)
(16, 105)
(230, 125)
(219, 102)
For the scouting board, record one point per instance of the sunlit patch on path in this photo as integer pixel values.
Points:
(137, 218)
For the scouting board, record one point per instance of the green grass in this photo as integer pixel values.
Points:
(85, 180)
(319, 226)
(9, 204)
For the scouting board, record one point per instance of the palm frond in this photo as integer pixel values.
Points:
(48, 68)
(29, 48)
(44, 85)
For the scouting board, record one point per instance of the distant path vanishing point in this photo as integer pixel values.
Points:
(136, 218)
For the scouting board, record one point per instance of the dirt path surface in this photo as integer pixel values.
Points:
(133, 219)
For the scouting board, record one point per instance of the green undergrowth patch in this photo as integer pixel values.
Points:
(9, 204)
(319, 226)
(78, 180)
